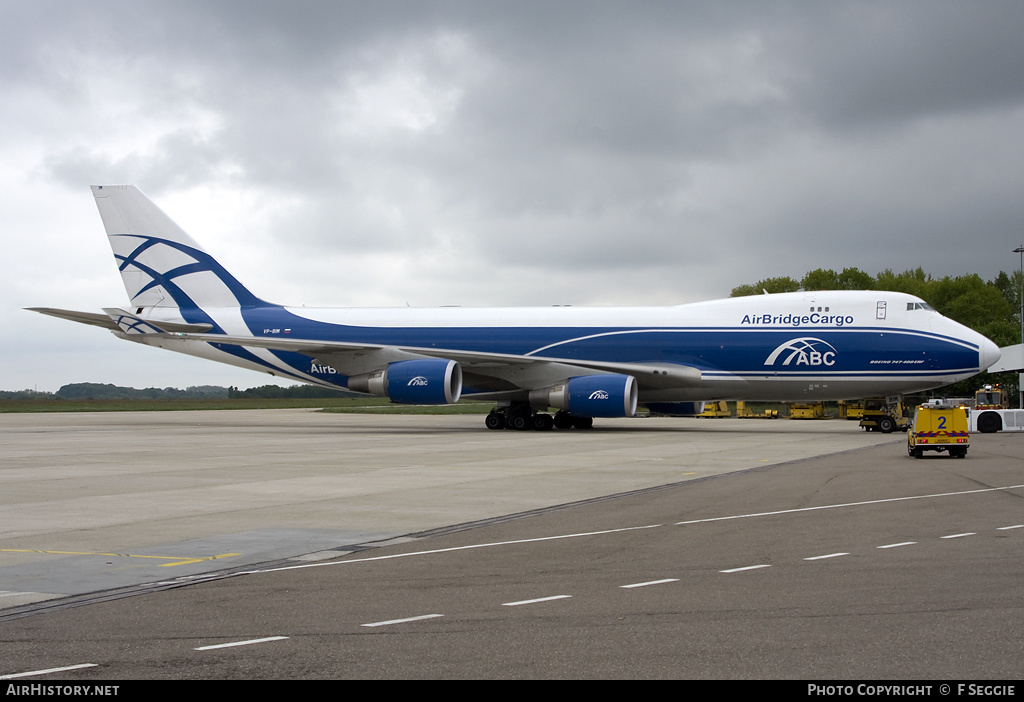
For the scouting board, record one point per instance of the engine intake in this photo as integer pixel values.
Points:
(430, 381)
(606, 395)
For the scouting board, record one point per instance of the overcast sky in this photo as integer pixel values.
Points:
(496, 153)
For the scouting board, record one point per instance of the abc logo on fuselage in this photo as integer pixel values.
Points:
(804, 351)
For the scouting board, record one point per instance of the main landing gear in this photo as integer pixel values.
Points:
(523, 418)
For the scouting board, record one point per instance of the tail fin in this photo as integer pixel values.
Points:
(161, 265)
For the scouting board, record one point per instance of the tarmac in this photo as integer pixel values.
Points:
(301, 545)
(96, 502)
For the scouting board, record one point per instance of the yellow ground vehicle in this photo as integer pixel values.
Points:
(991, 412)
(991, 397)
(853, 410)
(716, 409)
(884, 414)
(806, 410)
(939, 426)
(743, 412)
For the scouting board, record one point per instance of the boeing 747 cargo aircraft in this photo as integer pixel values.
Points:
(581, 362)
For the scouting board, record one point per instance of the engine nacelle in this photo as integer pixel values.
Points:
(676, 409)
(428, 381)
(609, 395)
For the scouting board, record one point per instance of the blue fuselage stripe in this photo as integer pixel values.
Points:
(754, 352)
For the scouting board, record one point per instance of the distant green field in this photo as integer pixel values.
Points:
(370, 405)
(387, 408)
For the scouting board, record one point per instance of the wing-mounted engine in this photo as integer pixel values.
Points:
(429, 381)
(602, 395)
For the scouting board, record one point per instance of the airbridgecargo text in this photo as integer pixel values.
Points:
(866, 690)
(798, 320)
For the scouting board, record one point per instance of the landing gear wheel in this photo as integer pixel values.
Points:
(562, 420)
(517, 421)
(886, 425)
(495, 420)
(582, 422)
(543, 422)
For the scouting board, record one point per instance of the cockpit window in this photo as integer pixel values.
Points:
(919, 306)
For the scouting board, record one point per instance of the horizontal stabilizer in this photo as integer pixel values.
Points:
(119, 320)
(93, 318)
(133, 324)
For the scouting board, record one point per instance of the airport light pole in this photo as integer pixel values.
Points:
(1020, 376)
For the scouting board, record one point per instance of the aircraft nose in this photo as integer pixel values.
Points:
(988, 354)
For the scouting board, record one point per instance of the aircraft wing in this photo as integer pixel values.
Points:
(488, 372)
(505, 371)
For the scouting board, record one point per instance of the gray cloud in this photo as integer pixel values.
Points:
(524, 153)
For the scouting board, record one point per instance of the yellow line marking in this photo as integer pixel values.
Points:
(178, 560)
(199, 560)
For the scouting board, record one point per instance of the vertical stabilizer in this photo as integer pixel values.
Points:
(160, 264)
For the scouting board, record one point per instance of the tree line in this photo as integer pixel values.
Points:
(108, 391)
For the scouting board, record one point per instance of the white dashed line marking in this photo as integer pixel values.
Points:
(13, 676)
(602, 533)
(403, 621)
(753, 567)
(650, 582)
(539, 599)
(240, 643)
